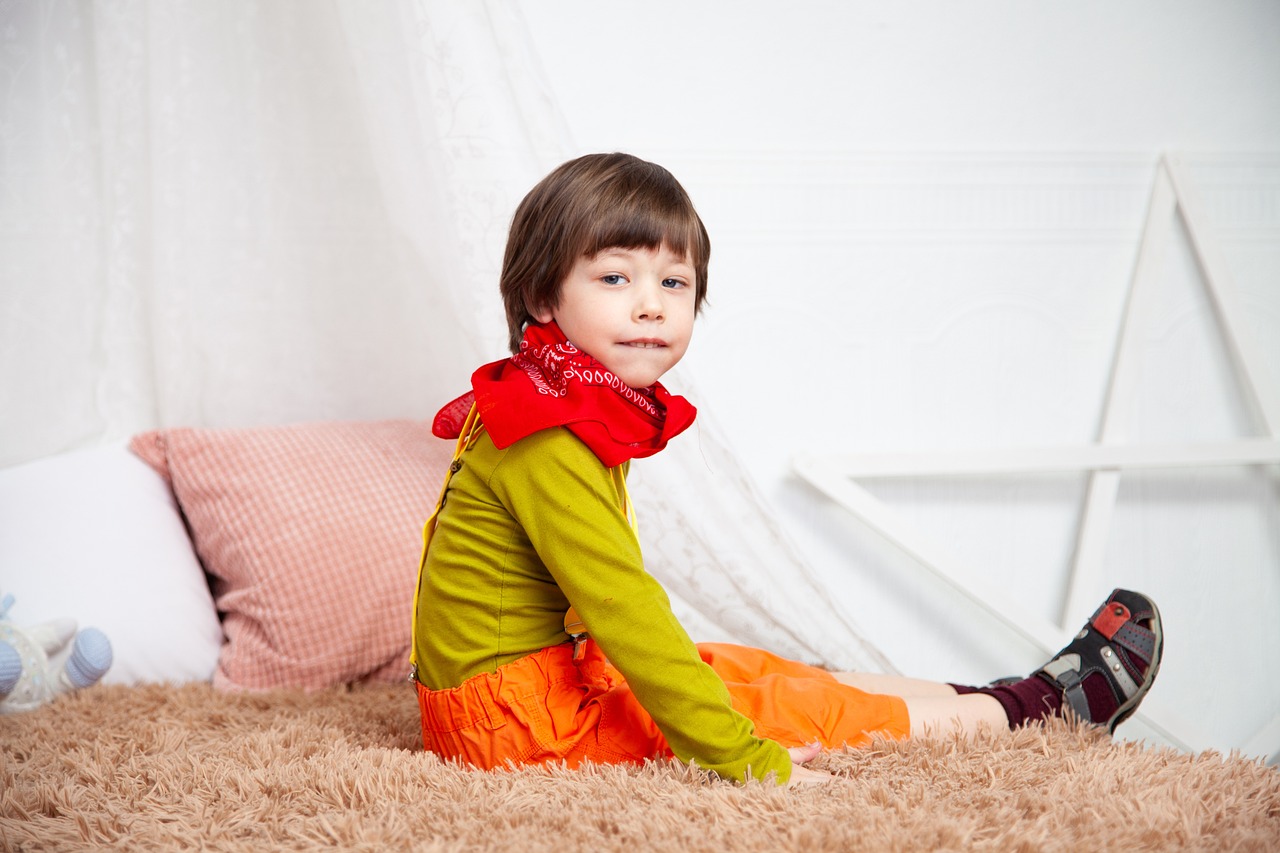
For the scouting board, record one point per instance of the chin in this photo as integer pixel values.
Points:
(636, 381)
(641, 376)
(633, 381)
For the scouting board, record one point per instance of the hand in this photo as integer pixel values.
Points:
(801, 775)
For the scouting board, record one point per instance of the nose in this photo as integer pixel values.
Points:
(649, 304)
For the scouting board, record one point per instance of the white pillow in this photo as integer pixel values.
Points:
(95, 536)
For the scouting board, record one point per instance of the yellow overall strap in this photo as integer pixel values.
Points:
(471, 429)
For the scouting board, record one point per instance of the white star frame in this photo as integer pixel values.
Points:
(834, 474)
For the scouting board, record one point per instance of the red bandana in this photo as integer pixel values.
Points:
(550, 382)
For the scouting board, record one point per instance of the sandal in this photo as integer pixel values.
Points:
(1115, 645)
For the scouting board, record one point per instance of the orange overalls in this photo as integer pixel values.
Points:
(548, 707)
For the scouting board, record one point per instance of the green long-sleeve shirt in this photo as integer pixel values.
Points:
(527, 531)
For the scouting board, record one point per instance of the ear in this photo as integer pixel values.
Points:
(543, 314)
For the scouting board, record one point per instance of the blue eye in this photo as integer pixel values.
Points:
(613, 278)
(673, 283)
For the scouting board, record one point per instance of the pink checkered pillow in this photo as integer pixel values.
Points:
(312, 535)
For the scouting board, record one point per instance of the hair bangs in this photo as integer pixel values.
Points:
(646, 213)
(648, 228)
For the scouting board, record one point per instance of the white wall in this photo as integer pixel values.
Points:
(925, 217)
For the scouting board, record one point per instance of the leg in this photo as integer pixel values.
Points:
(895, 685)
(943, 715)
(795, 704)
(745, 664)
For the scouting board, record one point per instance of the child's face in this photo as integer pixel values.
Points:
(632, 309)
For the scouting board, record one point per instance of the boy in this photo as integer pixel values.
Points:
(538, 634)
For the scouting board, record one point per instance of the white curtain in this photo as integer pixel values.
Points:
(238, 213)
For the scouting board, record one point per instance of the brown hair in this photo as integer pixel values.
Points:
(596, 202)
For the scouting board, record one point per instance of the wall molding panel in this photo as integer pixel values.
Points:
(813, 197)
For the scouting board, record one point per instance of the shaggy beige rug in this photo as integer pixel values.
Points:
(173, 768)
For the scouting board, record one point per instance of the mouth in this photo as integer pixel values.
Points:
(644, 343)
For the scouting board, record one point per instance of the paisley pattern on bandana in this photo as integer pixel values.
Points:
(550, 382)
(553, 366)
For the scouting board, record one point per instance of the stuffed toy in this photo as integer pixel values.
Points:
(44, 661)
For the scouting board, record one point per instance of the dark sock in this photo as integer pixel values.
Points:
(1023, 701)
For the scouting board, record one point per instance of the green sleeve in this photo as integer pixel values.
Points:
(568, 504)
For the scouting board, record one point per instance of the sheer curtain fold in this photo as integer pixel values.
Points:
(235, 213)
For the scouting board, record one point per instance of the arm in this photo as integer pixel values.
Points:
(568, 505)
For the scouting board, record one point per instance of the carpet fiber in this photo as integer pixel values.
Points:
(170, 768)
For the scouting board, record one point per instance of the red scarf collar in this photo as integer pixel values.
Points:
(549, 383)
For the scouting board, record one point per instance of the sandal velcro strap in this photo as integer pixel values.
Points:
(1136, 639)
(1065, 669)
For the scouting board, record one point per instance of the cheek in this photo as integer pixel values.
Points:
(682, 347)
(686, 321)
